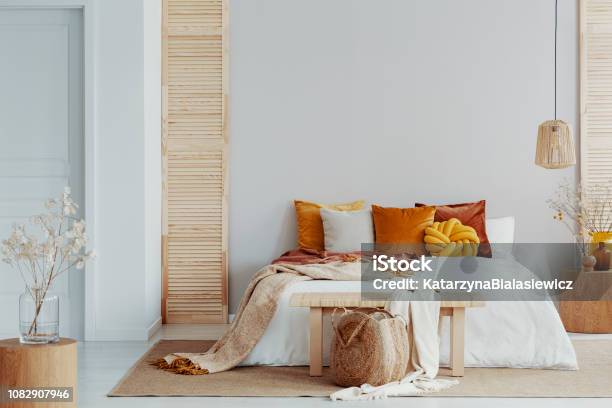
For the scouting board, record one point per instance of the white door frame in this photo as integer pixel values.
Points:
(89, 134)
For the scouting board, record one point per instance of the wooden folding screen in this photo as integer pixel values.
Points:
(194, 150)
(596, 91)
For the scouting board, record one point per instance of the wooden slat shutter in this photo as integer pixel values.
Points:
(194, 150)
(596, 91)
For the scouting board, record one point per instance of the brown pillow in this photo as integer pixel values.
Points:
(472, 214)
(402, 225)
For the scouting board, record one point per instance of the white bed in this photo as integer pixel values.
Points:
(521, 334)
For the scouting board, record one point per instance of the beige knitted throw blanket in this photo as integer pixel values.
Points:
(256, 309)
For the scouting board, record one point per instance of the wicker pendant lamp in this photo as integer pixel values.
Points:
(555, 148)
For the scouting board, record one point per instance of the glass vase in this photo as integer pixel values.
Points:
(38, 317)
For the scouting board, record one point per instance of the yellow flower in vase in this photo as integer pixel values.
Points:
(597, 237)
(601, 236)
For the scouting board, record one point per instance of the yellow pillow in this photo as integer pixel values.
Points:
(451, 238)
(310, 224)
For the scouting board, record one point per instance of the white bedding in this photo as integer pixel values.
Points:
(521, 334)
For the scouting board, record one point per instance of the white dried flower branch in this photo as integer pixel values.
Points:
(59, 245)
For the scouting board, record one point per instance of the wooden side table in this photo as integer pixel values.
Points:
(320, 303)
(41, 366)
(592, 316)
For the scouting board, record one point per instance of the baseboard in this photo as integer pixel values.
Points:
(120, 334)
(126, 334)
(154, 328)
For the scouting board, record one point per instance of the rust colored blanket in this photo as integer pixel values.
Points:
(310, 256)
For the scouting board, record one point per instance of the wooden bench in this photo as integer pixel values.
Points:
(320, 303)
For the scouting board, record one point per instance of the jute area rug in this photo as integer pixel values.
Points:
(594, 379)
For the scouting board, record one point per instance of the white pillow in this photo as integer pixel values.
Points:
(345, 231)
(500, 230)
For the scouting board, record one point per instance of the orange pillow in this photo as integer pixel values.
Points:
(310, 224)
(402, 225)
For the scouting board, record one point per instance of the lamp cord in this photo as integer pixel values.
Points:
(556, 59)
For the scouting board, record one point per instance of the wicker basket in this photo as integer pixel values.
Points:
(369, 346)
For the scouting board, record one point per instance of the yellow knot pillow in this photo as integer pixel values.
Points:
(451, 238)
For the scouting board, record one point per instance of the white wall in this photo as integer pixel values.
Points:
(123, 148)
(125, 298)
(152, 123)
(392, 102)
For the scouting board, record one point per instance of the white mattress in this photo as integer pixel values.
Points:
(521, 334)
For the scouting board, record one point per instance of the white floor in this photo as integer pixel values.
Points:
(102, 364)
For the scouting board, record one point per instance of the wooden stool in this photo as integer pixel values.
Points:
(588, 316)
(41, 366)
